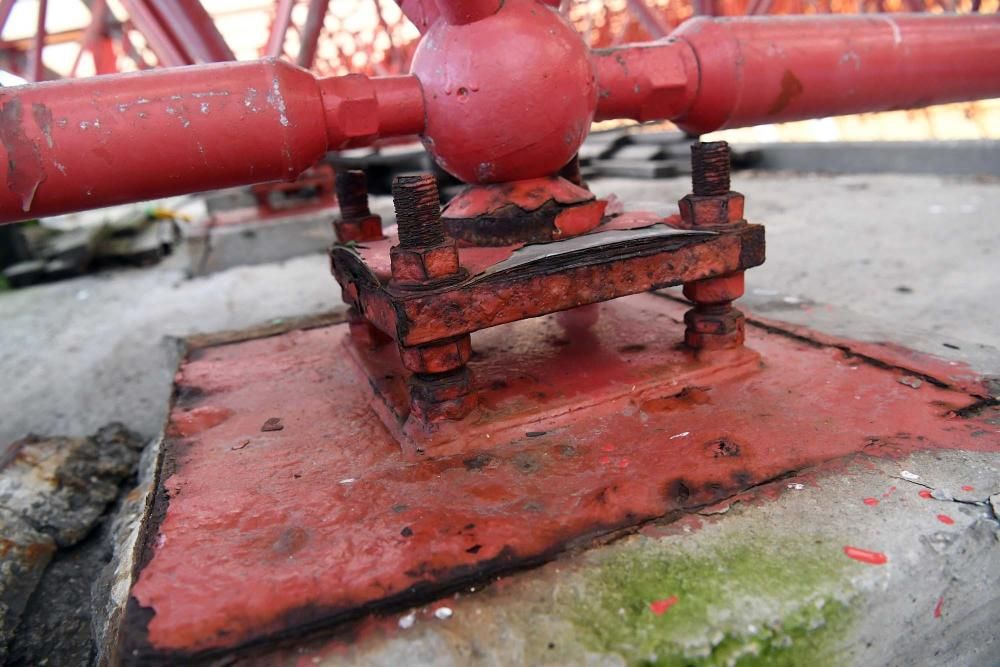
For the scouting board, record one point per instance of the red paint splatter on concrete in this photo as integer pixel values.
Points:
(968, 488)
(871, 502)
(192, 422)
(945, 519)
(660, 607)
(866, 556)
(888, 493)
(925, 494)
(937, 607)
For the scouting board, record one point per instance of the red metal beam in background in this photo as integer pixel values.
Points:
(311, 32)
(179, 32)
(92, 35)
(194, 30)
(649, 20)
(157, 36)
(36, 72)
(279, 28)
(5, 7)
(703, 7)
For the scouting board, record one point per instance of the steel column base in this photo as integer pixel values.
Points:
(285, 505)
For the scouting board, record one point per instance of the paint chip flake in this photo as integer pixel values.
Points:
(906, 474)
(406, 622)
(443, 613)
(866, 556)
(660, 607)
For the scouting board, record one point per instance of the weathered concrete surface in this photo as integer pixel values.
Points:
(52, 493)
(110, 590)
(212, 248)
(919, 252)
(761, 579)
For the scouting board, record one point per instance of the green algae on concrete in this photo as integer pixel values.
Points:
(773, 602)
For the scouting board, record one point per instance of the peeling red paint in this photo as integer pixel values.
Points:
(25, 171)
(866, 556)
(660, 607)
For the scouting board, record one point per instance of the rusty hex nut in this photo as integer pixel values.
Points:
(351, 107)
(723, 289)
(713, 320)
(711, 212)
(423, 267)
(437, 357)
(367, 228)
(714, 327)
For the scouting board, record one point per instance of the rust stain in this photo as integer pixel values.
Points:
(791, 88)
(24, 163)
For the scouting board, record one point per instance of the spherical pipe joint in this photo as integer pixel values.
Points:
(710, 168)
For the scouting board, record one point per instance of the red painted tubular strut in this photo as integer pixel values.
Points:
(108, 140)
(722, 73)
(73, 145)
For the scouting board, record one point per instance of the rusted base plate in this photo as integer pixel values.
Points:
(259, 532)
(540, 375)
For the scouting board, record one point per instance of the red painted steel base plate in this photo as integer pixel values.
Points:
(285, 504)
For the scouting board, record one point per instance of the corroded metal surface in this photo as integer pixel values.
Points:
(499, 290)
(258, 534)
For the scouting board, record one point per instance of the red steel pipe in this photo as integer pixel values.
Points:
(107, 140)
(719, 73)
(72, 145)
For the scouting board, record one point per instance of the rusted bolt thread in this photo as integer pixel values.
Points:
(710, 168)
(352, 193)
(418, 211)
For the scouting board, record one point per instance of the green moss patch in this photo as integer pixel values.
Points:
(762, 602)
